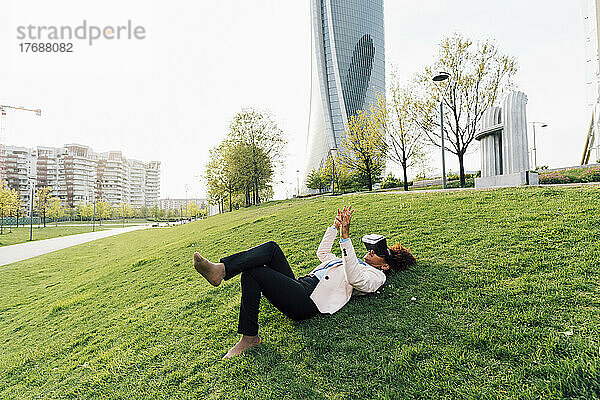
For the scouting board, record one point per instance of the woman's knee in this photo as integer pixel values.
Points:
(272, 244)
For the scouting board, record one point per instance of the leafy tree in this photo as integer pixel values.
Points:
(5, 203)
(155, 212)
(260, 145)
(222, 175)
(344, 178)
(124, 210)
(479, 76)
(17, 205)
(42, 202)
(390, 181)
(144, 212)
(55, 209)
(103, 210)
(363, 148)
(316, 181)
(172, 213)
(72, 212)
(80, 210)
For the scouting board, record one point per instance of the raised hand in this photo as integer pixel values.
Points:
(337, 221)
(346, 217)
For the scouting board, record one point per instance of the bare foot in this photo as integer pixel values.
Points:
(214, 273)
(245, 343)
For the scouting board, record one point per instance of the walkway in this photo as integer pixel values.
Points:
(24, 251)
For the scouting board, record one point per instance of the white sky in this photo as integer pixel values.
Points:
(171, 96)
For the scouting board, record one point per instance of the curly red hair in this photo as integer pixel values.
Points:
(400, 258)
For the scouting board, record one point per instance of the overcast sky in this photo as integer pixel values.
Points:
(171, 96)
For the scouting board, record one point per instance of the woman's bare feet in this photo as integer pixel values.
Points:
(214, 273)
(245, 343)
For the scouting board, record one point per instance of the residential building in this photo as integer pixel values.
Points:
(78, 175)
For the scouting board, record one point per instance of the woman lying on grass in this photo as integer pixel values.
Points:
(325, 290)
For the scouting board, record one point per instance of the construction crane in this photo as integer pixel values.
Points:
(3, 109)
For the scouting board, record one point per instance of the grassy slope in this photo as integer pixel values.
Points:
(502, 276)
(21, 234)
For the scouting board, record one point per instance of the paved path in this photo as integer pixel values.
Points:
(24, 251)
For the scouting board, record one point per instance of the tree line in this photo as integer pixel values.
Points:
(404, 126)
(47, 206)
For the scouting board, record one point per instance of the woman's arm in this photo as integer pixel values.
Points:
(365, 279)
(324, 251)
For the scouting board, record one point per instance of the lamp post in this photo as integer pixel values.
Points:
(31, 212)
(186, 202)
(442, 76)
(534, 149)
(297, 183)
(332, 153)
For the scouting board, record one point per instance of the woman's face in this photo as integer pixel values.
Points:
(375, 261)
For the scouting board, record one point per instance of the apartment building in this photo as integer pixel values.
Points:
(78, 175)
(20, 171)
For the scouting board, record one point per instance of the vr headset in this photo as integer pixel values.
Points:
(377, 243)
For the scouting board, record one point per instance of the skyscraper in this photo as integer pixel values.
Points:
(348, 69)
(591, 21)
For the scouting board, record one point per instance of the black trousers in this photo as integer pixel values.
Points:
(265, 270)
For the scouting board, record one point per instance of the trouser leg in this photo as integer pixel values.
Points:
(267, 254)
(285, 293)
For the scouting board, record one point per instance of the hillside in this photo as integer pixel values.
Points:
(507, 306)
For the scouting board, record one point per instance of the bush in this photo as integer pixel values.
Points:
(580, 175)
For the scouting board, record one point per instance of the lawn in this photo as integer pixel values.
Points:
(507, 305)
(21, 234)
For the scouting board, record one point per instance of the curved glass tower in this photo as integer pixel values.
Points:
(348, 69)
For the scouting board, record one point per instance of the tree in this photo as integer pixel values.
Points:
(344, 180)
(5, 203)
(55, 209)
(315, 180)
(399, 119)
(124, 210)
(42, 202)
(80, 210)
(479, 76)
(87, 211)
(17, 204)
(72, 212)
(363, 148)
(144, 212)
(155, 212)
(103, 210)
(222, 175)
(260, 145)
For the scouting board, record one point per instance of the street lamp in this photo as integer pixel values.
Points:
(534, 149)
(31, 182)
(186, 201)
(442, 76)
(297, 183)
(332, 153)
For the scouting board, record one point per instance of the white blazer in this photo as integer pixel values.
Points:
(340, 281)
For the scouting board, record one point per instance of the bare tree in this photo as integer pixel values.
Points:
(400, 122)
(479, 76)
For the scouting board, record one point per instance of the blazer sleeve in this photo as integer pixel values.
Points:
(324, 251)
(363, 278)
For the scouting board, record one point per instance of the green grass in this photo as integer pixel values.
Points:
(21, 234)
(507, 306)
